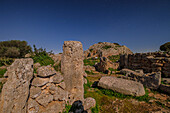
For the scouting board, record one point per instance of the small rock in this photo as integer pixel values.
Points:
(40, 81)
(60, 94)
(89, 103)
(85, 80)
(46, 71)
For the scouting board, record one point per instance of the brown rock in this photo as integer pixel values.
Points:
(33, 106)
(57, 78)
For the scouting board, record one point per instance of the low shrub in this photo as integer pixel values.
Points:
(106, 47)
(2, 72)
(67, 108)
(6, 61)
(114, 58)
(91, 61)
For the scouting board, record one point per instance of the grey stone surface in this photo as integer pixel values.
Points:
(89, 103)
(57, 78)
(33, 106)
(123, 86)
(16, 90)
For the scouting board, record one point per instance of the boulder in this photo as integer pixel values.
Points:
(62, 85)
(15, 91)
(123, 86)
(40, 81)
(46, 71)
(89, 103)
(72, 68)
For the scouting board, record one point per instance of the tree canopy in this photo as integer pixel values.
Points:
(165, 47)
(14, 48)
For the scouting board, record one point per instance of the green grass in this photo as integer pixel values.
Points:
(114, 58)
(91, 61)
(2, 72)
(58, 67)
(44, 60)
(89, 72)
(67, 108)
(1, 85)
(6, 61)
(105, 97)
(106, 47)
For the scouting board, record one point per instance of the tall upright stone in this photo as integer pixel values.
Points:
(15, 91)
(72, 68)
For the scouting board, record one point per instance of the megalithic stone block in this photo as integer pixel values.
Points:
(72, 69)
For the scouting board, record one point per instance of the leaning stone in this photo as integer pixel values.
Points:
(123, 86)
(56, 78)
(40, 81)
(89, 103)
(33, 106)
(15, 91)
(46, 71)
(35, 92)
(44, 99)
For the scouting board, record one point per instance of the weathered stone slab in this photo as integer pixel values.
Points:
(35, 92)
(40, 81)
(46, 71)
(72, 68)
(16, 90)
(123, 86)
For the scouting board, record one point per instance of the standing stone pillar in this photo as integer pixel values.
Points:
(72, 69)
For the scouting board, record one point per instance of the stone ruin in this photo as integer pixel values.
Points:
(148, 62)
(47, 91)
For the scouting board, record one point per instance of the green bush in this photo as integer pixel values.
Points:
(114, 58)
(41, 56)
(165, 47)
(6, 61)
(67, 108)
(91, 61)
(2, 72)
(106, 47)
(14, 48)
(58, 67)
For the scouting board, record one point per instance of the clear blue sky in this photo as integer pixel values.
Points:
(141, 25)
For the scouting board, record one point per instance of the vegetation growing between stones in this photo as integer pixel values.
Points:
(41, 56)
(2, 72)
(91, 61)
(106, 47)
(6, 61)
(89, 72)
(1, 85)
(114, 58)
(67, 108)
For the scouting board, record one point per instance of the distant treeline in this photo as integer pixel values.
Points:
(14, 48)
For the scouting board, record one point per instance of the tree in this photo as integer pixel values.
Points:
(14, 48)
(165, 47)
